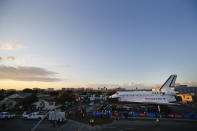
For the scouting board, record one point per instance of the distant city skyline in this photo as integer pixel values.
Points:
(112, 43)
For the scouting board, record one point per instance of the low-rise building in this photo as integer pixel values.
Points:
(89, 89)
(50, 89)
(44, 105)
(80, 89)
(184, 89)
(36, 89)
(7, 103)
(68, 89)
(11, 101)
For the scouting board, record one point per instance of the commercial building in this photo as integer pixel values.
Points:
(68, 89)
(50, 89)
(80, 89)
(184, 89)
(36, 89)
(89, 89)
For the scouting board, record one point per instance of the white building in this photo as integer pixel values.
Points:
(44, 105)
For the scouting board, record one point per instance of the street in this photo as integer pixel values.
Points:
(121, 125)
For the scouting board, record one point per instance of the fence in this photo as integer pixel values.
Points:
(145, 114)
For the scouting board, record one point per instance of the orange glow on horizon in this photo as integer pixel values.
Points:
(19, 85)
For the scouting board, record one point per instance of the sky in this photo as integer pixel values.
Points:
(96, 43)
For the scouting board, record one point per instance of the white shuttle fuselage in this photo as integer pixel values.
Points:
(165, 95)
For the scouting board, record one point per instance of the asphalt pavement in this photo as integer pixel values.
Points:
(17, 125)
(121, 125)
(132, 125)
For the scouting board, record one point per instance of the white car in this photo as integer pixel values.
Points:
(6, 115)
(34, 115)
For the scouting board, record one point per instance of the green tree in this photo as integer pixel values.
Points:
(27, 101)
(27, 90)
(2, 94)
(65, 96)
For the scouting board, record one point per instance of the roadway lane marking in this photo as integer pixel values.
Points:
(34, 128)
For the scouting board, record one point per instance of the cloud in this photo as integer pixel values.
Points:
(192, 83)
(1, 58)
(10, 46)
(60, 65)
(11, 58)
(65, 65)
(23, 73)
(129, 85)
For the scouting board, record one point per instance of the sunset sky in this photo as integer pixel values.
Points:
(96, 43)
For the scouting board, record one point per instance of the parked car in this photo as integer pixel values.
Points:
(34, 115)
(6, 115)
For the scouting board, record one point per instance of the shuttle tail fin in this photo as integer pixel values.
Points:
(170, 82)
